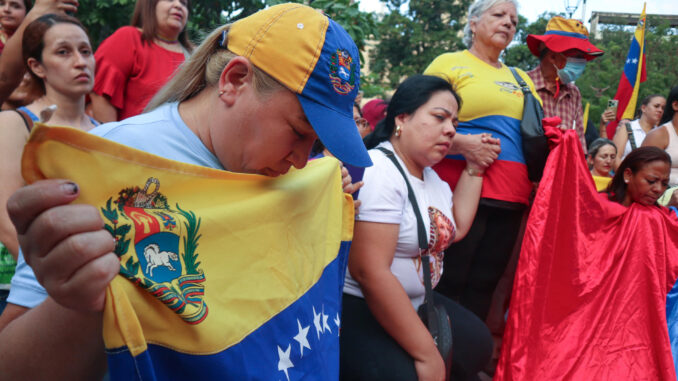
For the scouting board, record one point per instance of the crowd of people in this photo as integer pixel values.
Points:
(449, 138)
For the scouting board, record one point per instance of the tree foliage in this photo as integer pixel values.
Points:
(518, 53)
(599, 82)
(410, 40)
(103, 17)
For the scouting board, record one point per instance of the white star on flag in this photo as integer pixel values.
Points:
(301, 338)
(635, 61)
(628, 60)
(326, 327)
(285, 363)
(337, 322)
(316, 322)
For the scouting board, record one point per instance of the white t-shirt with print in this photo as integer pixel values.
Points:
(384, 199)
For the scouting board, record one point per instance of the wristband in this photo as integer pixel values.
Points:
(474, 172)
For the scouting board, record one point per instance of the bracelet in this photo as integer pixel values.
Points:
(474, 172)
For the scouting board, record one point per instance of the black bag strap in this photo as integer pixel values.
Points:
(523, 85)
(421, 233)
(26, 119)
(632, 139)
(421, 230)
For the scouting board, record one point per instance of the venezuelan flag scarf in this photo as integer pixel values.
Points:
(222, 275)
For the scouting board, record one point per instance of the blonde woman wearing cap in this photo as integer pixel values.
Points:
(230, 108)
(563, 51)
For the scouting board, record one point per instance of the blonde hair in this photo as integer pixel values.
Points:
(203, 69)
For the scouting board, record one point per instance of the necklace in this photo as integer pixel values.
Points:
(167, 41)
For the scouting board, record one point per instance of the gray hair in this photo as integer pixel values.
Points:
(475, 11)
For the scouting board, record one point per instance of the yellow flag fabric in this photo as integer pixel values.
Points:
(209, 258)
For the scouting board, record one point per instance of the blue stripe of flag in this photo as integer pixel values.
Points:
(672, 322)
(632, 62)
(505, 128)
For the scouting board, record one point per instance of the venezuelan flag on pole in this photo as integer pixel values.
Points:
(223, 276)
(634, 74)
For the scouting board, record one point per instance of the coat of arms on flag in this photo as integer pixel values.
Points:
(156, 261)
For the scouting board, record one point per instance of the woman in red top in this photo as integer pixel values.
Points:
(137, 60)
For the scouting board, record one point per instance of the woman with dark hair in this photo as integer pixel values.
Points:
(601, 156)
(382, 336)
(59, 57)
(642, 177)
(137, 60)
(666, 135)
(630, 135)
(12, 13)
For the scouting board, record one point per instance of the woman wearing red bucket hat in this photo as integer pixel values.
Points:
(563, 51)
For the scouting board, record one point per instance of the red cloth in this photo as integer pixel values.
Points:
(130, 71)
(589, 298)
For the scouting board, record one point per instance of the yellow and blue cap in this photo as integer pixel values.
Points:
(314, 57)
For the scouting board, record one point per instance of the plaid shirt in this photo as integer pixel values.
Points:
(568, 105)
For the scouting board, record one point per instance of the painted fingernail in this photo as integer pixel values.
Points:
(70, 188)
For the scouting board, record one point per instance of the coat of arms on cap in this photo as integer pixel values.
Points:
(342, 71)
(156, 261)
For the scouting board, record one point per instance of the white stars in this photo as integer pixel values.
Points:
(317, 324)
(635, 61)
(284, 362)
(302, 338)
(326, 327)
(337, 322)
(300, 361)
(628, 60)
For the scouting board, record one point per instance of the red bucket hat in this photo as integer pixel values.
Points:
(562, 35)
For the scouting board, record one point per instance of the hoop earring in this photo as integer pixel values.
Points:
(398, 131)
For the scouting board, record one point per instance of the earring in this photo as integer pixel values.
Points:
(398, 130)
(222, 92)
(626, 181)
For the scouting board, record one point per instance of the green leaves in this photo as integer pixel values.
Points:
(190, 241)
(409, 41)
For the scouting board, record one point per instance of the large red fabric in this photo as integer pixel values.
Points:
(130, 71)
(590, 289)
